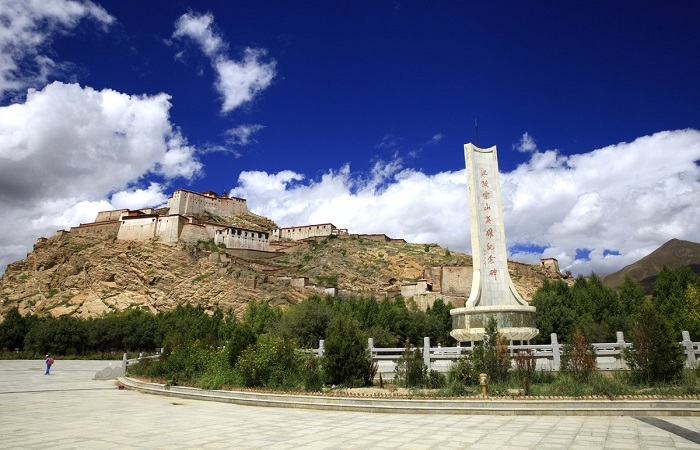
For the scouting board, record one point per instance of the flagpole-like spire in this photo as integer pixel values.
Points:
(476, 129)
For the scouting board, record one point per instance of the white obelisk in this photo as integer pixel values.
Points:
(493, 293)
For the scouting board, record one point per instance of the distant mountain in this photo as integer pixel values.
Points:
(674, 253)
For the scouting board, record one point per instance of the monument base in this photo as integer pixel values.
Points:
(515, 322)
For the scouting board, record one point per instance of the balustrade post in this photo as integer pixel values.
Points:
(426, 352)
(689, 350)
(621, 364)
(321, 347)
(556, 351)
(124, 363)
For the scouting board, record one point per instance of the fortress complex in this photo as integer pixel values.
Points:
(187, 202)
(181, 225)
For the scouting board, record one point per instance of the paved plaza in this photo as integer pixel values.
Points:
(68, 409)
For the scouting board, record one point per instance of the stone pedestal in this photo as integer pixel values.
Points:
(515, 323)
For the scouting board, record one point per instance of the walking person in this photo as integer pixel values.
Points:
(49, 363)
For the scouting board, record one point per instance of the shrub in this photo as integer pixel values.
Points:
(655, 355)
(270, 362)
(579, 358)
(463, 371)
(346, 359)
(410, 368)
(491, 355)
(525, 365)
(241, 338)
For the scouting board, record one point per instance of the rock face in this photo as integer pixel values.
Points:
(86, 275)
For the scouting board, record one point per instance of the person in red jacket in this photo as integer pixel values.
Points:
(49, 362)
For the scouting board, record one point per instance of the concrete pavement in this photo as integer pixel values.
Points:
(69, 409)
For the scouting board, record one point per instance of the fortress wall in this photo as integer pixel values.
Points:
(108, 216)
(213, 229)
(185, 202)
(138, 228)
(191, 233)
(434, 276)
(456, 280)
(170, 227)
(111, 227)
(258, 255)
(306, 231)
(376, 237)
(245, 239)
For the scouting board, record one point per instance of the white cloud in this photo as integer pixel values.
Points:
(153, 196)
(67, 148)
(199, 28)
(436, 139)
(629, 198)
(243, 134)
(26, 29)
(238, 81)
(526, 144)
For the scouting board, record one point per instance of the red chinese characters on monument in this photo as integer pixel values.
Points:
(488, 251)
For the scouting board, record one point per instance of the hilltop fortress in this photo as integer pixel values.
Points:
(184, 220)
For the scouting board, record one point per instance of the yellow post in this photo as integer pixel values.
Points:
(484, 382)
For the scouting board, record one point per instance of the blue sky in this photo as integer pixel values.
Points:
(356, 113)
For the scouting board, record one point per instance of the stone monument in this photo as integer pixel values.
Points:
(492, 293)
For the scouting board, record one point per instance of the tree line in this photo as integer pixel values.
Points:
(390, 322)
(599, 311)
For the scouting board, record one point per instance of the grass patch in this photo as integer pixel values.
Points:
(201, 277)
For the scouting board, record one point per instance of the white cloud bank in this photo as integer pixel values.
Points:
(627, 198)
(26, 29)
(67, 149)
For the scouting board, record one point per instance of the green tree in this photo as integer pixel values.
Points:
(13, 330)
(306, 323)
(346, 360)
(671, 297)
(656, 355)
(261, 317)
(555, 313)
(631, 296)
(440, 311)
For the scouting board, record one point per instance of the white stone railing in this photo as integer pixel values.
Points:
(547, 356)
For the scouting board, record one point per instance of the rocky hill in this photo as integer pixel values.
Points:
(89, 274)
(674, 253)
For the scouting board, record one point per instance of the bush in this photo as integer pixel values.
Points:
(463, 371)
(655, 355)
(241, 338)
(525, 365)
(271, 362)
(347, 360)
(410, 368)
(491, 355)
(579, 358)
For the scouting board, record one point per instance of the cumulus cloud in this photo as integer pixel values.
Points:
(526, 144)
(238, 81)
(26, 30)
(627, 198)
(66, 149)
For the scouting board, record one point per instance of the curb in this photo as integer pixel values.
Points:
(505, 407)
